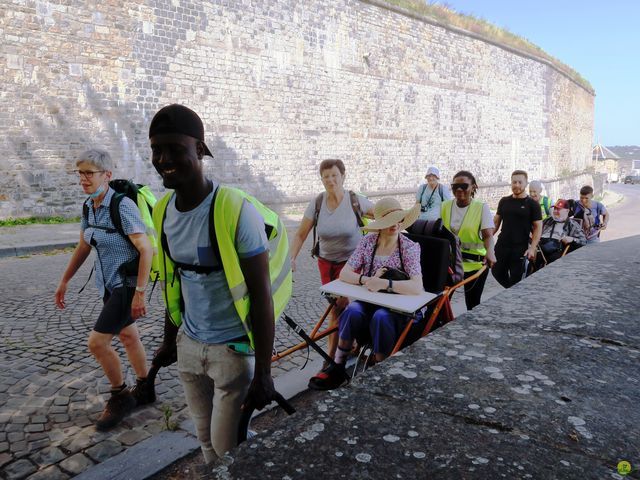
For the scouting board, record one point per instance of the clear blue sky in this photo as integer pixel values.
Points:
(599, 39)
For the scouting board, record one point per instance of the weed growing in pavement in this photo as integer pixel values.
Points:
(167, 413)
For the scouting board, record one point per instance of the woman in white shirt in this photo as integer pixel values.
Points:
(472, 222)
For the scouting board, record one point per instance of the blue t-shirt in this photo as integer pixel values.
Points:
(597, 209)
(112, 248)
(210, 316)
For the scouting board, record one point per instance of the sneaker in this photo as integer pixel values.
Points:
(331, 377)
(118, 405)
(144, 392)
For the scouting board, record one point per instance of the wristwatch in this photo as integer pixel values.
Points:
(390, 287)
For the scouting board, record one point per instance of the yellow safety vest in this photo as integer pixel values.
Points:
(469, 234)
(545, 204)
(226, 214)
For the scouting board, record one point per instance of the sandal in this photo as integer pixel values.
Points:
(333, 376)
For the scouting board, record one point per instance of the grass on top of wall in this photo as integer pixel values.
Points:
(446, 15)
(13, 222)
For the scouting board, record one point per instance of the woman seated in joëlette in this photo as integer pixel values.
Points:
(384, 249)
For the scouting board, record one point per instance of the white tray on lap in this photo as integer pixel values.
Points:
(398, 303)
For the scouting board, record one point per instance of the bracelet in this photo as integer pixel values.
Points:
(360, 280)
(141, 289)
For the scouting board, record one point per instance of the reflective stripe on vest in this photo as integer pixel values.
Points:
(227, 207)
(469, 233)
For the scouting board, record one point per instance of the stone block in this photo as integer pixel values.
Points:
(76, 463)
(48, 456)
(132, 437)
(49, 473)
(19, 469)
(103, 450)
(77, 442)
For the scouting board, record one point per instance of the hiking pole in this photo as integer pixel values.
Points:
(245, 418)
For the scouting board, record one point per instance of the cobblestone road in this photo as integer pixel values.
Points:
(52, 390)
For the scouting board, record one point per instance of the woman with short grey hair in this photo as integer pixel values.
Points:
(120, 281)
(535, 192)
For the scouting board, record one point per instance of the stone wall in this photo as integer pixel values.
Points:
(280, 85)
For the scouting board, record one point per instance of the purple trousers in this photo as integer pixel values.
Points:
(369, 323)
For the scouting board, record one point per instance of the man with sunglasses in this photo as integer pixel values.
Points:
(521, 220)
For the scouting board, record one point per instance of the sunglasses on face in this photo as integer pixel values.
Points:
(461, 186)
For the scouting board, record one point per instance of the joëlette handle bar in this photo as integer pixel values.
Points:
(296, 328)
(153, 371)
(245, 418)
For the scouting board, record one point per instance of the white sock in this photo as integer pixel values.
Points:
(341, 354)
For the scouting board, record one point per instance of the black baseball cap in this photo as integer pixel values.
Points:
(177, 118)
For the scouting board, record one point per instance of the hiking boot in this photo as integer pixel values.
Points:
(118, 405)
(144, 392)
(333, 376)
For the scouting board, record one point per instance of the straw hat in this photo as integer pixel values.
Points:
(388, 212)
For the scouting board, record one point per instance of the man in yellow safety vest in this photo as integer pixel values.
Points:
(224, 261)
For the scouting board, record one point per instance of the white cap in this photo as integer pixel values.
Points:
(433, 171)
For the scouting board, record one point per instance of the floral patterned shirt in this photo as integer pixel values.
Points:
(361, 258)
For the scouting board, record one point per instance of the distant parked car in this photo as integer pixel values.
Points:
(632, 179)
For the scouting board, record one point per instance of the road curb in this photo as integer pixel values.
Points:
(7, 252)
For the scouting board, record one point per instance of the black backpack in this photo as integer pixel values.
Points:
(435, 228)
(355, 205)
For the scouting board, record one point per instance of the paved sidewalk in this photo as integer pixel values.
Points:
(40, 238)
(28, 239)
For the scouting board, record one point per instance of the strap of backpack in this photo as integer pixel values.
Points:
(423, 188)
(213, 239)
(85, 211)
(355, 205)
(440, 192)
(85, 214)
(316, 215)
(116, 216)
(212, 229)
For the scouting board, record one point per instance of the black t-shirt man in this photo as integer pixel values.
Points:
(518, 215)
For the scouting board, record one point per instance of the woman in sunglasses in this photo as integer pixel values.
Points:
(472, 222)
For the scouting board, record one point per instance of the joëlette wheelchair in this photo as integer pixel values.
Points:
(437, 249)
